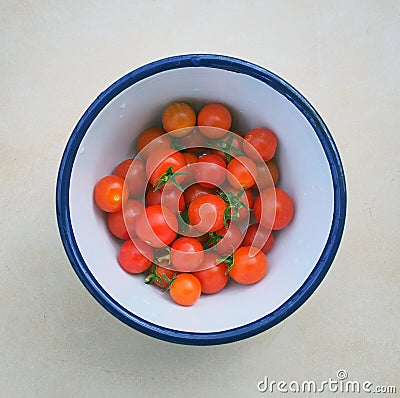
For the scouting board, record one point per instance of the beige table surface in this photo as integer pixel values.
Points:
(56, 56)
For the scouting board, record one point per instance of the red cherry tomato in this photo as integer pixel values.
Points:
(194, 191)
(109, 193)
(247, 267)
(207, 213)
(150, 140)
(185, 289)
(273, 208)
(156, 226)
(135, 256)
(186, 254)
(274, 170)
(263, 142)
(213, 277)
(172, 199)
(214, 115)
(162, 166)
(210, 171)
(242, 172)
(178, 119)
(259, 237)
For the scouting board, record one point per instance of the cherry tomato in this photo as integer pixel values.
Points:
(178, 119)
(109, 193)
(242, 172)
(248, 268)
(213, 277)
(273, 208)
(274, 170)
(194, 191)
(229, 239)
(156, 226)
(210, 171)
(259, 237)
(116, 224)
(207, 213)
(150, 140)
(214, 115)
(163, 165)
(263, 142)
(122, 168)
(135, 256)
(186, 254)
(172, 199)
(185, 289)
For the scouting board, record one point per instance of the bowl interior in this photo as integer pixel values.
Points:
(305, 175)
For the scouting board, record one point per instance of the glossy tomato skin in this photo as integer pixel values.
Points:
(263, 142)
(186, 254)
(160, 161)
(157, 226)
(247, 268)
(116, 224)
(282, 207)
(135, 256)
(259, 237)
(172, 199)
(185, 289)
(178, 119)
(207, 213)
(194, 191)
(210, 171)
(213, 277)
(109, 193)
(214, 115)
(242, 172)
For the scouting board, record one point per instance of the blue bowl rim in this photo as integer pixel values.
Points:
(324, 262)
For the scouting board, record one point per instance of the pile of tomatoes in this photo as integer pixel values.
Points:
(198, 204)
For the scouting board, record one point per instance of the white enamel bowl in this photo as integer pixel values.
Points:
(311, 172)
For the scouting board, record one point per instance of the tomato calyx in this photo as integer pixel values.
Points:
(225, 146)
(154, 277)
(228, 259)
(234, 205)
(213, 239)
(169, 175)
(183, 220)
